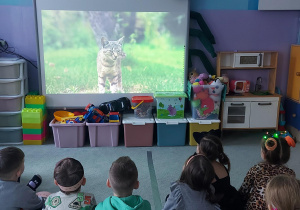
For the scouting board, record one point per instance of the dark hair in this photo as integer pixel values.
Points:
(68, 172)
(123, 175)
(211, 146)
(11, 159)
(281, 153)
(198, 173)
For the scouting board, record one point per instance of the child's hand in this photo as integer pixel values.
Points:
(43, 194)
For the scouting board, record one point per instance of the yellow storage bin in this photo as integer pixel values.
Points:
(201, 126)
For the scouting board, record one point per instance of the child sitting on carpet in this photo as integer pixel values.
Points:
(193, 190)
(69, 177)
(14, 195)
(123, 178)
(211, 146)
(283, 193)
(275, 152)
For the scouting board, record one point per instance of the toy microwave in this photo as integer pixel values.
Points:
(248, 59)
(239, 86)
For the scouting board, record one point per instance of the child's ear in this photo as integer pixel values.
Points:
(136, 185)
(55, 182)
(269, 207)
(83, 181)
(108, 183)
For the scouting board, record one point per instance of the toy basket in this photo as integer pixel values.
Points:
(205, 101)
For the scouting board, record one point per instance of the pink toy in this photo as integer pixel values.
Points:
(202, 78)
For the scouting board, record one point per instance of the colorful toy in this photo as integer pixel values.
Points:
(202, 79)
(74, 119)
(114, 117)
(94, 115)
(193, 75)
(62, 114)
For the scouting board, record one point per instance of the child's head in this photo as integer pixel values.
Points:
(69, 175)
(11, 163)
(123, 177)
(276, 149)
(211, 146)
(198, 173)
(283, 193)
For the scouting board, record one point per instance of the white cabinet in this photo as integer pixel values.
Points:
(263, 114)
(250, 112)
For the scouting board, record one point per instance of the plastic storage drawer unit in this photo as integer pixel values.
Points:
(138, 132)
(104, 134)
(68, 135)
(11, 103)
(13, 68)
(201, 126)
(171, 132)
(11, 135)
(13, 87)
(10, 119)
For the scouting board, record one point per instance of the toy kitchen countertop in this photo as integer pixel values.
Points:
(252, 95)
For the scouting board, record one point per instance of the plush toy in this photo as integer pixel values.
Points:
(193, 76)
(215, 90)
(202, 79)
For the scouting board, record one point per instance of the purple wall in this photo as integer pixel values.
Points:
(250, 30)
(17, 27)
(243, 30)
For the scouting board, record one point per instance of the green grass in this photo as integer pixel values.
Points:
(144, 69)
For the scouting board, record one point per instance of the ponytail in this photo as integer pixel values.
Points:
(223, 159)
(211, 146)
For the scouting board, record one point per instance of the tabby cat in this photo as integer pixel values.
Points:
(109, 64)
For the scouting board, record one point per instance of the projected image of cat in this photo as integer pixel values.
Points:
(109, 64)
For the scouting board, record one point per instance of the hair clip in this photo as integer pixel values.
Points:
(288, 137)
(290, 141)
(272, 147)
(199, 135)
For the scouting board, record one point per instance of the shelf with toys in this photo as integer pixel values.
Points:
(251, 101)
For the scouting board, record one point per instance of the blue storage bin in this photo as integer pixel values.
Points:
(171, 132)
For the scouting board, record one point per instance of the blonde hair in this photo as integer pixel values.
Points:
(283, 193)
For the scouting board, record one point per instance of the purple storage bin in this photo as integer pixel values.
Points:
(104, 134)
(68, 135)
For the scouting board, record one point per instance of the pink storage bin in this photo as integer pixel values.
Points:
(104, 134)
(138, 132)
(68, 135)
